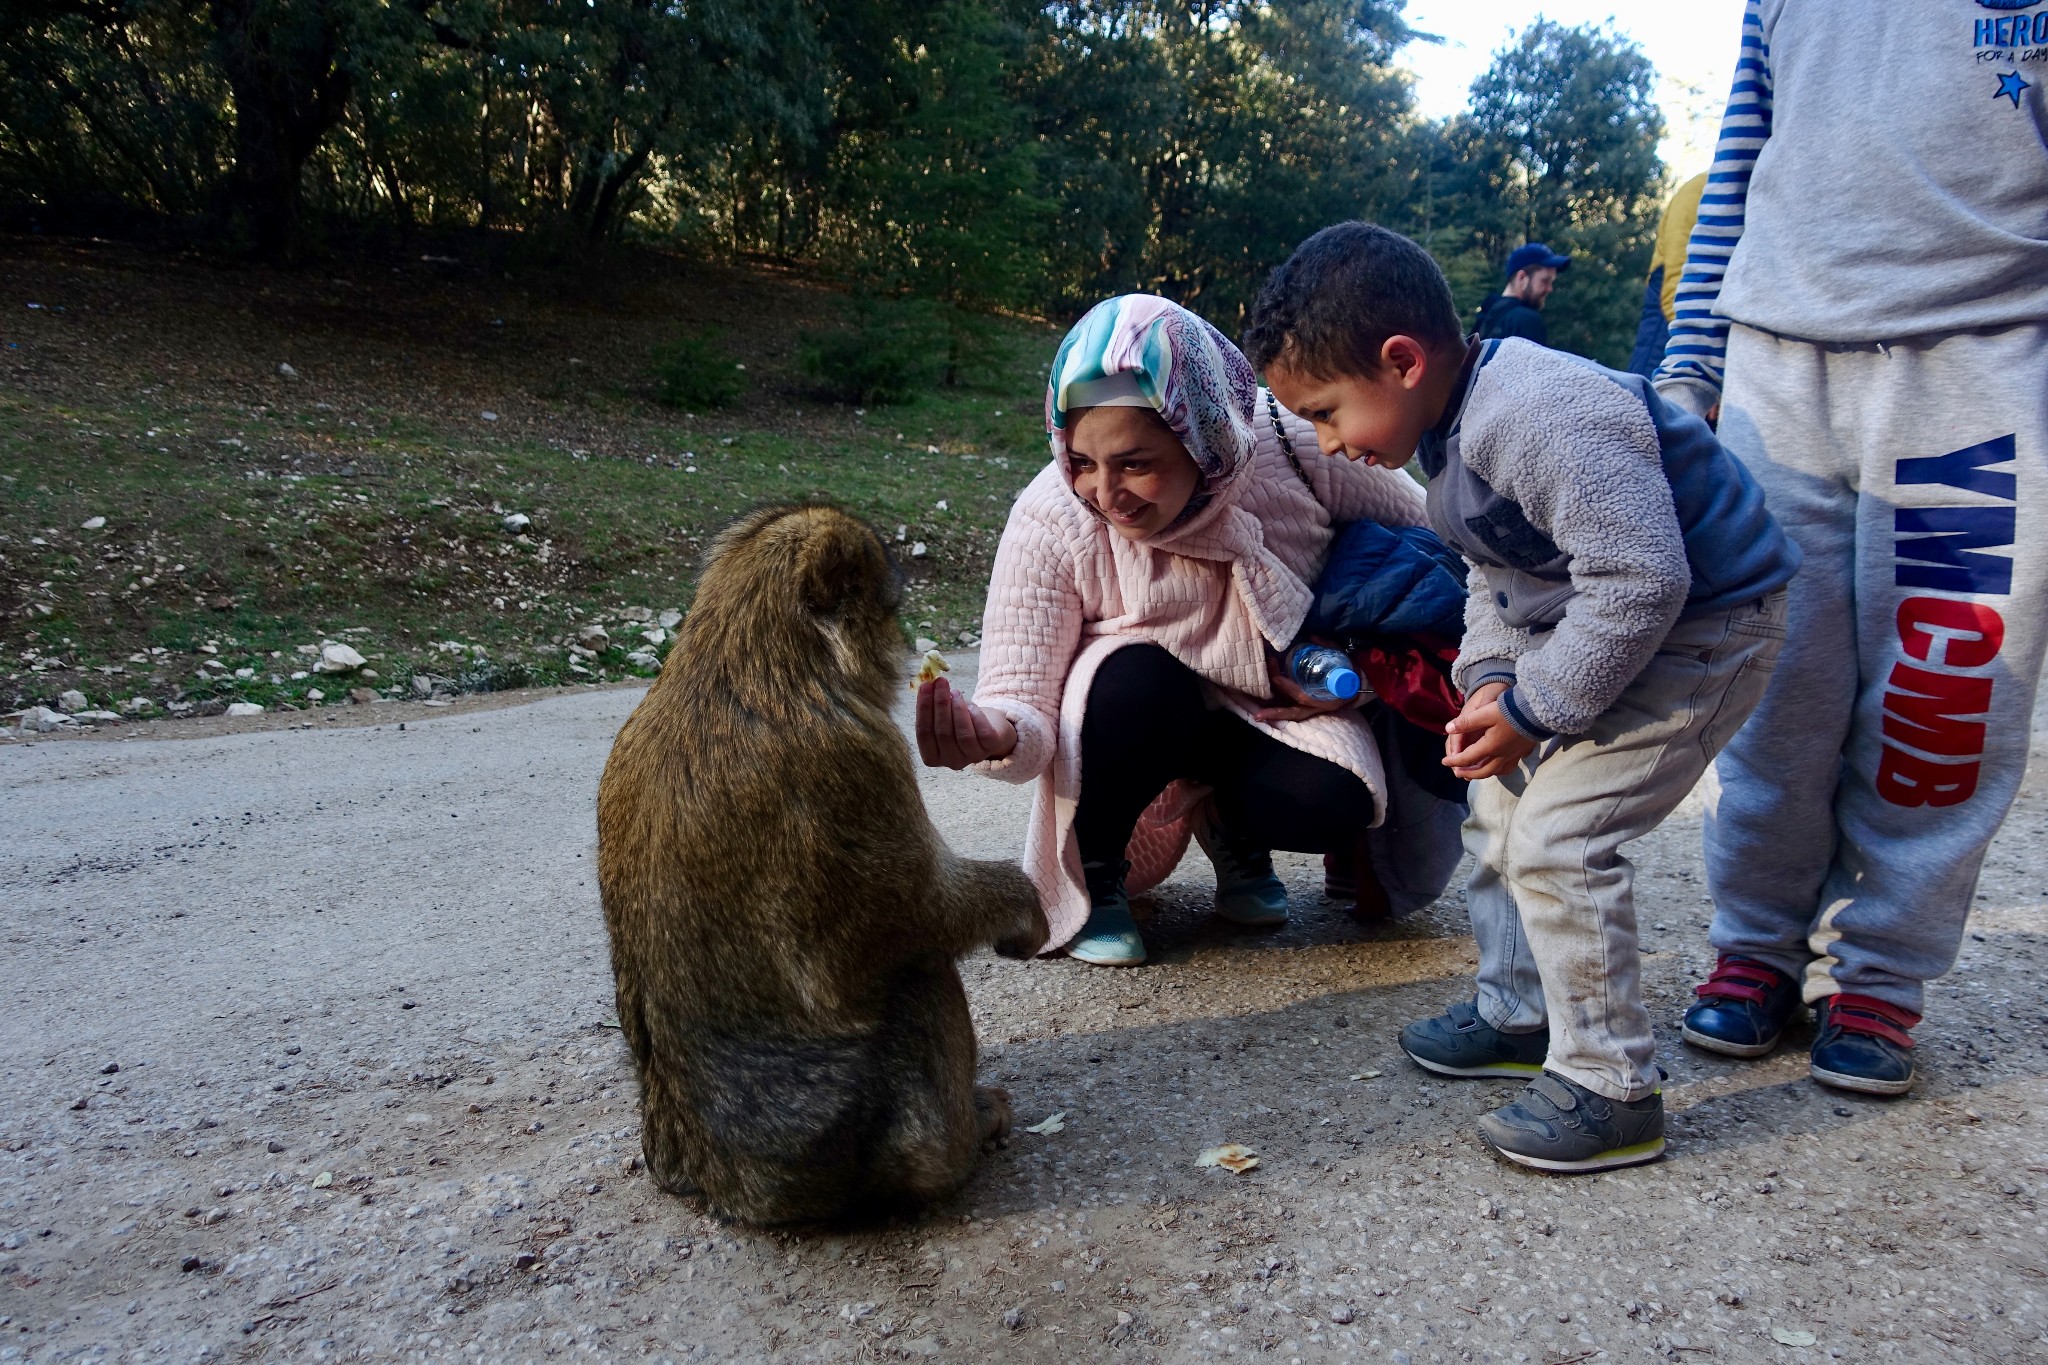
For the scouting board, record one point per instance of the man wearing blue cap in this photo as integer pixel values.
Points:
(1517, 311)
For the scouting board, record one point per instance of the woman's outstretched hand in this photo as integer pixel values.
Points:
(952, 732)
(1290, 701)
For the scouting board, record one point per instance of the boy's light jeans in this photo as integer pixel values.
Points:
(1552, 897)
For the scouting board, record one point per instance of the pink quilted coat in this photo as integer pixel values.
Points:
(1067, 592)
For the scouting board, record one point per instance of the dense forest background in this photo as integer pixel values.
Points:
(978, 156)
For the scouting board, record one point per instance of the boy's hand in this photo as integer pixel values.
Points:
(952, 732)
(1480, 741)
(1299, 704)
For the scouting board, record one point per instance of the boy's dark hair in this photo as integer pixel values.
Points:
(1332, 306)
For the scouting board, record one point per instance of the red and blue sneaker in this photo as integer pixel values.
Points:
(1863, 1045)
(1742, 1008)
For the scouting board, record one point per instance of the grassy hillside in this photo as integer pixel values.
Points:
(363, 495)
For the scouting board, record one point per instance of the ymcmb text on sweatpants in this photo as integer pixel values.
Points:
(1552, 898)
(1854, 810)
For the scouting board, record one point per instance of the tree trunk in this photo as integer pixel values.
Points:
(484, 206)
(290, 90)
(610, 197)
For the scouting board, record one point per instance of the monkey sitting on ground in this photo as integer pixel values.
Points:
(784, 919)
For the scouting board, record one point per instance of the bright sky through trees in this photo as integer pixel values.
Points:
(1692, 44)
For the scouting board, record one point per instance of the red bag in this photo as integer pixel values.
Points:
(1412, 674)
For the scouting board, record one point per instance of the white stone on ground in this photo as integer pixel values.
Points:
(338, 658)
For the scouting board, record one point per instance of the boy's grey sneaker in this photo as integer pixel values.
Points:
(1559, 1125)
(1459, 1043)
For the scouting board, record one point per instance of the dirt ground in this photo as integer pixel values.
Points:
(306, 1048)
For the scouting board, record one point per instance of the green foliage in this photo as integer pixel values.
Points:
(940, 198)
(1559, 146)
(94, 114)
(693, 371)
(1194, 146)
(987, 156)
(885, 352)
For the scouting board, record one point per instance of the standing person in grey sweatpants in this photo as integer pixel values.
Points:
(1863, 300)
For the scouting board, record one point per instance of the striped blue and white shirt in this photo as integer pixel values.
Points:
(1881, 174)
(1699, 339)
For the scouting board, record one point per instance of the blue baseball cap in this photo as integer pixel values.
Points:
(1533, 256)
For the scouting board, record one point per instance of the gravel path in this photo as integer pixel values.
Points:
(369, 1105)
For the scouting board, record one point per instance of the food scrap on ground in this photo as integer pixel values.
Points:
(1231, 1156)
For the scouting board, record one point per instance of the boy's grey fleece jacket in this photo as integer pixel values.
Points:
(1597, 515)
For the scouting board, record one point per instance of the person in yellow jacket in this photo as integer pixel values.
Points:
(1667, 263)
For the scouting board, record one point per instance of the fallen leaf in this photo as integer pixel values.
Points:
(323, 1180)
(1053, 1124)
(1230, 1156)
(1786, 1336)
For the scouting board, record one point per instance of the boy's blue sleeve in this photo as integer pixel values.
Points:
(1694, 355)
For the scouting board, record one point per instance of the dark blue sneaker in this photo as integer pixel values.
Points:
(1743, 1008)
(1862, 1045)
(1459, 1043)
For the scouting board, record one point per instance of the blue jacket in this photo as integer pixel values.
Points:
(1382, 580)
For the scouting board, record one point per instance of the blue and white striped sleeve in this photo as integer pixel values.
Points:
(1694, 355)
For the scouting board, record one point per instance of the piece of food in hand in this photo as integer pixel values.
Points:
(934, 664)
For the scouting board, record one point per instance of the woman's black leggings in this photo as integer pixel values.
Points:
(1146, 725)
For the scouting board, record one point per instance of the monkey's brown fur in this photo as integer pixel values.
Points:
(784, 919)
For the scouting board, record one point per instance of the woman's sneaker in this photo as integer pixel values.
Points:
(1110, 937)
(1559, 1125)
(1459, 1043)
(1862, 1044)
(1742, 1008)
(1247, 891)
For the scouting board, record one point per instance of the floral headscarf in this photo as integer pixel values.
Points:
(1141, 350)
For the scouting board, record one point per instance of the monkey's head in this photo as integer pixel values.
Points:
(797, 592)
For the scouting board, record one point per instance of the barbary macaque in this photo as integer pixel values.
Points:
(784, 919)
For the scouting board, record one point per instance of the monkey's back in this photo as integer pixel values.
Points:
(752, 849)
(773, 887)
(737, 837)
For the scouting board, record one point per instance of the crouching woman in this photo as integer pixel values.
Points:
(1146, 584)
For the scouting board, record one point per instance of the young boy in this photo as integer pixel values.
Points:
(1627, 603)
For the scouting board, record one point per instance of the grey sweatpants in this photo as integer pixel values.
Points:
(1552, 898)
(1853, 812)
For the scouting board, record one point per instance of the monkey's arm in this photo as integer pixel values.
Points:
(1029, 634)
(982, 901)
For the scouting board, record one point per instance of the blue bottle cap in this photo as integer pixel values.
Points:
(1342, 682)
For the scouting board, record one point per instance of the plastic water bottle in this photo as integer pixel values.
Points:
(1324, 673)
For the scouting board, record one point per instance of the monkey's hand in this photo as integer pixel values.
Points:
(1025, 943)
(952, 732)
